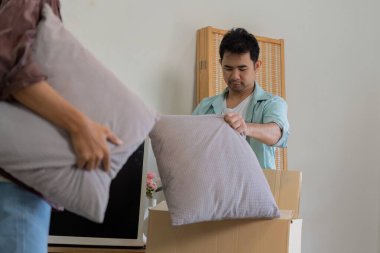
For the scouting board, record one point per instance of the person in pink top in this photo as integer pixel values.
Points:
(25, 216)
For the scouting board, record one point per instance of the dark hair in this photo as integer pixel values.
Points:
(239, 41)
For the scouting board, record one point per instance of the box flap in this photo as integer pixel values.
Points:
(286, 189)
(162, 206)
(286, 214)
(295, 236)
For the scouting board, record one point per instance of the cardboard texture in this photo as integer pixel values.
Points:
(286, 188)
(229, 236)
(282, 235)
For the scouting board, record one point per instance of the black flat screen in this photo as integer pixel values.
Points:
(122, 215)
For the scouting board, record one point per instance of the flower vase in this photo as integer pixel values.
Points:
(149, 203)
(152, 202)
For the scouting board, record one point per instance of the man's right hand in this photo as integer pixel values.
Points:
(89, 139)
(90, 145)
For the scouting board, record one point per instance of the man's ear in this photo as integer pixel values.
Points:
(258, 64)
(220, 61)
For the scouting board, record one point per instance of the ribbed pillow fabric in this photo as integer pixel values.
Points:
(209, 171)
(40, 154)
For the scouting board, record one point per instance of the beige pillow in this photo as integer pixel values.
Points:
(209, 171)
(40, 154)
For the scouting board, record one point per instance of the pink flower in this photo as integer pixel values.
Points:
(152, 184)
(150, 175)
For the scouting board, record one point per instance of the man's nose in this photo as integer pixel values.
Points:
(235, 74)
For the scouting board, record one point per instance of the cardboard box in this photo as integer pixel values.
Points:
(286, 189)
(282, 235)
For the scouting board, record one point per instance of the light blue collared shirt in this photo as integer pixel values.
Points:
(263, 108)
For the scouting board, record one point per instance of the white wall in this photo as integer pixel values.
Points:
(332, 90)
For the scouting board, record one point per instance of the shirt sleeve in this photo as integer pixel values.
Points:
(276, 111)
(18, 24)
(198, 109)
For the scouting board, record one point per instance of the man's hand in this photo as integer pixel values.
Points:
(237, 122)
(88, 138)
(267, 133)
(90, 145)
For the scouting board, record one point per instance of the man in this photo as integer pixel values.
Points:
(247, 108)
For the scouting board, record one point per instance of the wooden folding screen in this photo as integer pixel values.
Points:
(271, 75)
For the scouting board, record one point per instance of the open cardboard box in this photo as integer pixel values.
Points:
(282, 235)
(286, 189)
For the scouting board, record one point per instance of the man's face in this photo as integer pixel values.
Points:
(239, 71)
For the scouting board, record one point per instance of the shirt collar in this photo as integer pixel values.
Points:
(218, 103)
(258, 95)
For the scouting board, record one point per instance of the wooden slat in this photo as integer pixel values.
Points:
(283, 68)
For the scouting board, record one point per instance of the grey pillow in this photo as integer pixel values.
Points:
(40, 154)
(209, 171)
